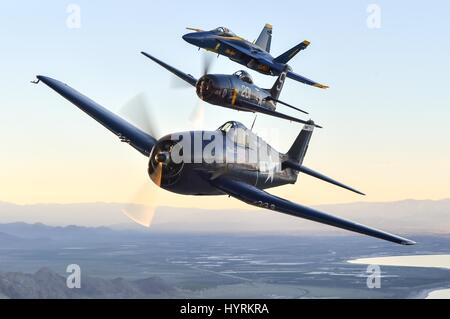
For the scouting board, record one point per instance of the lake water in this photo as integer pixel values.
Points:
(424, 261)
(439, 294)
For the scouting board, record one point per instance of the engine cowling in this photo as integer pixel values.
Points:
(163, 171)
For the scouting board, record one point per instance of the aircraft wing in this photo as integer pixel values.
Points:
(257, 197)
(186, 77)
(252, 107)
(298, 77)
(226, 42)
(137, 138)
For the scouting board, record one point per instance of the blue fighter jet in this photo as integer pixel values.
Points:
(255, 56)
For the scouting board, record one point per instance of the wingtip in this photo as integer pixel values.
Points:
(44, 79)
(311, 122)
(37, 80)
(321, 86)
(353, 190)
(147, 55)
(408, 242)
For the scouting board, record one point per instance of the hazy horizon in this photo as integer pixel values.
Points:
(385, 129)
(403, 217)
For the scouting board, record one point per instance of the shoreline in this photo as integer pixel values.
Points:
(441, 261)
(441, 293)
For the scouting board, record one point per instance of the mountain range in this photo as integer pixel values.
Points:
(407, 216)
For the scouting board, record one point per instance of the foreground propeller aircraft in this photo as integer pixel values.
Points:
(255, 56)
(236, 91)
(231, 160)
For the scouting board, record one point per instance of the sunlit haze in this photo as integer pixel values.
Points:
(385, 116)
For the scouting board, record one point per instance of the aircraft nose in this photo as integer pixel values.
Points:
(192, 38)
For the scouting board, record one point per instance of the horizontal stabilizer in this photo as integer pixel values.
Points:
(251, 107)
(310, 172)
(286, 104)
(289, 54)
(300, 78)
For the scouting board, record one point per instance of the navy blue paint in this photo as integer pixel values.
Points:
(247, 53)
(257, 197)
(140, 140)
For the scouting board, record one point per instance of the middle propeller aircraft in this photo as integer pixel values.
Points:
(236, 91)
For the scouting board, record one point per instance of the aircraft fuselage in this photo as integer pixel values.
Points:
(260, 61)
(229, 90)
(238, 153)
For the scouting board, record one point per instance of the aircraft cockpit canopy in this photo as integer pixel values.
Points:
(244, 76)
(231, 125)
(224, 31)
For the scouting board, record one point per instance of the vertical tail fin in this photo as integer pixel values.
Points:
(265, 38)
(298, 150)
(275, 91)
(289, 54)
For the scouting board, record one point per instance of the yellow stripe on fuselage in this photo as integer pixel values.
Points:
(215, 49)
(234, 97)
(232, 38)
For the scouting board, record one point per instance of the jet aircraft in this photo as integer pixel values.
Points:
(255, 56)
(182, 167)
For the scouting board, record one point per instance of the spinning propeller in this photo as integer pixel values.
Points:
(138, 112)
(198, 113)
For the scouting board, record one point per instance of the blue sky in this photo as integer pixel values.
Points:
(386, 115)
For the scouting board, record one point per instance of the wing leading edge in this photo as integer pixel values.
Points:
(186, 77)
(257, 197)
(140, 140)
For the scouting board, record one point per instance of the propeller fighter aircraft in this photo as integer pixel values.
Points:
(255, 56)
(231, 160)
(236, 91)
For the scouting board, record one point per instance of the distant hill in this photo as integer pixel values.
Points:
(24, 230)
(46, 284)
(408, 216)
